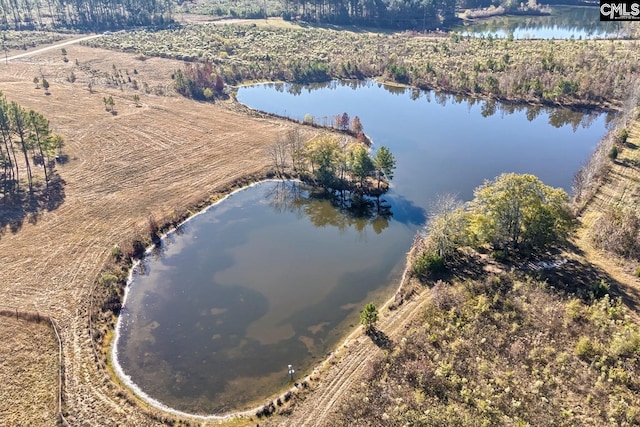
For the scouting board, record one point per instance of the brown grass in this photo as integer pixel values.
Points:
(29, 371)
(168, 154)
(620, 186)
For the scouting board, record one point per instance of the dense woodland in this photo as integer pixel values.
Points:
(414, 14)
(115, 14)
(83, 14)
(423, 14)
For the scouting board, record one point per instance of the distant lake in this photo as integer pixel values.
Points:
(565, 22)
(276, 274)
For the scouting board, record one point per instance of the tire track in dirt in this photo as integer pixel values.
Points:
(622, 185)
(353, 358)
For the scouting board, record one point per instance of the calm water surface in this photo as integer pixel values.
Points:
(275, 275)
(565, 22)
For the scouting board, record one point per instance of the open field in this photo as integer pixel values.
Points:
(29, 366)
(166, 155)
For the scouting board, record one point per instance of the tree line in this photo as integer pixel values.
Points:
(418, 14)
(84, 14)
(27, 143)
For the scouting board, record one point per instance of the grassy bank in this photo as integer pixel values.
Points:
(505, 350)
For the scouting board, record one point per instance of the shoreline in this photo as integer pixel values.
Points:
(119, 377)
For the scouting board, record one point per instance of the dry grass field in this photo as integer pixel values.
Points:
(29, 366)
(164, 155)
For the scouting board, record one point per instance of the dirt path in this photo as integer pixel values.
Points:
(54, 46)
(153, 159)
(622, 185)
(346, 366)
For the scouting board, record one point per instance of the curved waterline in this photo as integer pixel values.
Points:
(549, 146)
(344, 335)
(126, 379)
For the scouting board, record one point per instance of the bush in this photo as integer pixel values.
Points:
(108, 279)
(499, 255)
(599, 289)
(137, 249)
(428, 263)
(116, 253)
(613, 153)
(585, 348)
(617, 231)
(622, 137)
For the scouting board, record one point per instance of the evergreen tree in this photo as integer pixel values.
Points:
(369, 317)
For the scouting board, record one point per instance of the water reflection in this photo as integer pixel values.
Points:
(557, 117)
(277, 273)
(334, 209)
(271, 276)
(565, 22)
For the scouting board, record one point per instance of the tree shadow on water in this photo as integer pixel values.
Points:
(23, 205)
(343, 210)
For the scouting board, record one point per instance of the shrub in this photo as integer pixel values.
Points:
(154, 229)
(116, 253)
(617, 230)
(499, 255)
(428, 262)
(599, 289)
(137, 249)
(622, 136)
(107, 279)
(613, 153)
(585, 348)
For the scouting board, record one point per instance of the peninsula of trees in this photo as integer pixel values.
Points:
(333, 164)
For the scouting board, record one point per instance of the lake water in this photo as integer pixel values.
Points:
(275, 275)
(565, 22)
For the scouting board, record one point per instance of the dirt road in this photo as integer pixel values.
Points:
(52, 47)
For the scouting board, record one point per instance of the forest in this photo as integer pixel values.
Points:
(83, 14)
(117, 14)
(417, 14)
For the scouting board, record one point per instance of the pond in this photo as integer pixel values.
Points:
(276, 274)
(564, 22)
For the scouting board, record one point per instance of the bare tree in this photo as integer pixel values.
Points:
(295, 149)
(278, 154)
(446, 225)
